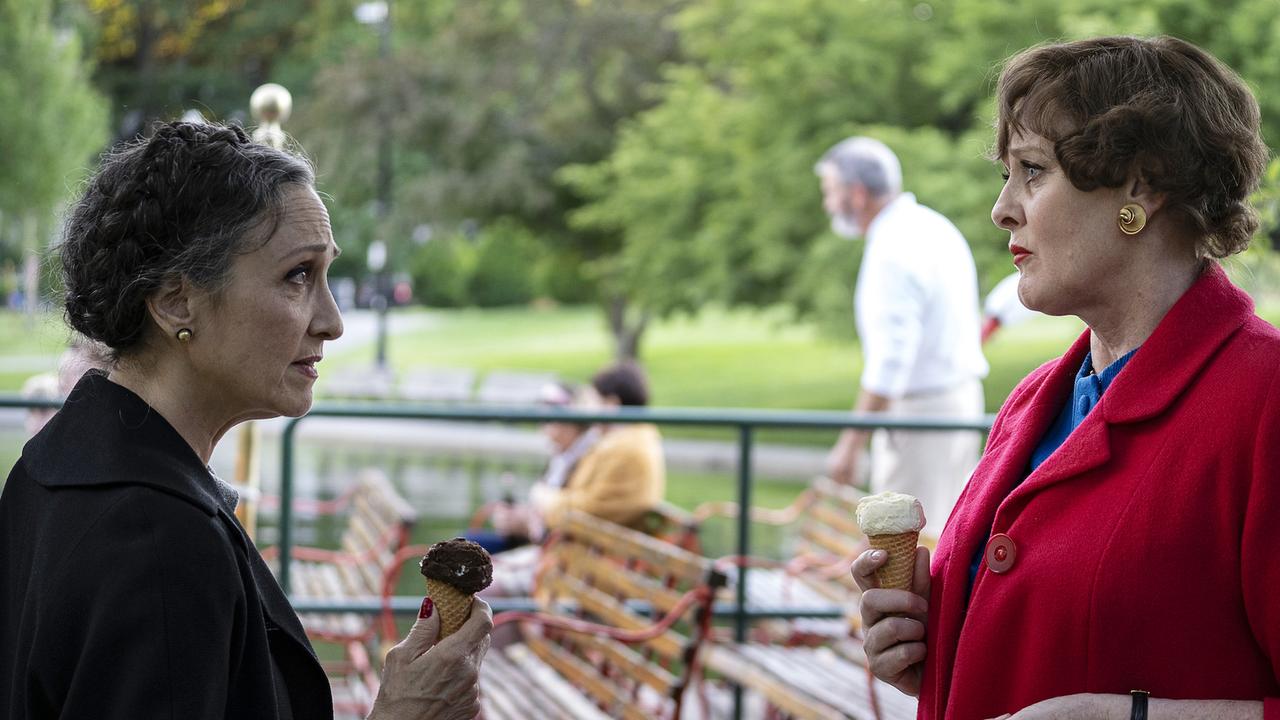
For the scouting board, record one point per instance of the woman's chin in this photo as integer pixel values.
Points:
(1052, 304)
(258, 415)
(1027, 295)
(298, 406)
(1033, 297)
(291, 405)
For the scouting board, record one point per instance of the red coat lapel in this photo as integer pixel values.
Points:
(1030, 409)
(1184, 341)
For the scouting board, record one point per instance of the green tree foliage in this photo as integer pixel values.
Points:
(53, 120)
(486, 102)
(505, 256)
(713, 191)
(653, 156)
(503, 264)
(52, 123)
(442, 271)
(159, 58)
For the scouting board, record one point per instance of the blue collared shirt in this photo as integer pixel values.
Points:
(1085, 396)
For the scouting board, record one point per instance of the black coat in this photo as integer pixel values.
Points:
(127, 591)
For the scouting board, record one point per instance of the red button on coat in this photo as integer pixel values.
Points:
(1001, 553)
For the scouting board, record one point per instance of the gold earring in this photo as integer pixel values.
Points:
(1132, 219)
(184, 336)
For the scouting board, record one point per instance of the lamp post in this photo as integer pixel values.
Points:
(378, 13)
(270, 105)
(377, 263)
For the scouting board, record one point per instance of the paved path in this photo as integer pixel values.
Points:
(28, 363)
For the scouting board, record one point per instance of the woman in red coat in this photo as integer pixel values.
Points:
(1112, 556)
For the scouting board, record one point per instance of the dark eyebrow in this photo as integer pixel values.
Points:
(319, 247)
(1023, 150)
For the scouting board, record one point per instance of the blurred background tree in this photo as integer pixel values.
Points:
(714, 188)
(157, 59)
(649, 156)
(489, 100)
(52, 122)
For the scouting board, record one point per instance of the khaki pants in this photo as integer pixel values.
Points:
(932, 465)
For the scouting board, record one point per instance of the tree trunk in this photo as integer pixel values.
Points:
(627, 328)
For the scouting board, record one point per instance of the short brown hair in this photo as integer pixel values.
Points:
(625, 381)
(1160, 109)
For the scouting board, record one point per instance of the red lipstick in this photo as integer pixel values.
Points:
(1019, 253)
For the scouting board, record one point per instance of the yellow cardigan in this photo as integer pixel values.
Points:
(619, 479)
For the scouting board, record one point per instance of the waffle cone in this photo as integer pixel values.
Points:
(896, 574)
(453, 605)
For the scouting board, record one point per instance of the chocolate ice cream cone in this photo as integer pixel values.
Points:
(453, 605)
(455, 571)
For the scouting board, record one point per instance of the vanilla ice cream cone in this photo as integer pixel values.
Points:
(892, 522)
(896, 574)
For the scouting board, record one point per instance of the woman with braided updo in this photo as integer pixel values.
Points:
(127, 588)
(1114, 553)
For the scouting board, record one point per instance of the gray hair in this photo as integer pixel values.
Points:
(866, 162)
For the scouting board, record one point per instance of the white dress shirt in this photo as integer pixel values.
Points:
(916, 303)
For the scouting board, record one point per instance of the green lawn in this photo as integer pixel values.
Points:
(41, 334)
(719, 359)
(28, 345)
(725, 359)
(729, 359)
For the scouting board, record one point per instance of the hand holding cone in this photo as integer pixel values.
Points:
(455, 570)
(892, 522)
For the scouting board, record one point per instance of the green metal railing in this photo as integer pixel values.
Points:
(14, 401)
(745, 422)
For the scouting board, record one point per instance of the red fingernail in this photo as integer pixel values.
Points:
(427, 607)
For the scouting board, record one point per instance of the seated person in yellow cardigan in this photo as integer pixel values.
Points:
(623, 476)
(516, 524)
(620, 478)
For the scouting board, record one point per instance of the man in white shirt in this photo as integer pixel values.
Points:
(916, 307)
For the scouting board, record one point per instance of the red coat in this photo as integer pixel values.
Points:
(1145, 548)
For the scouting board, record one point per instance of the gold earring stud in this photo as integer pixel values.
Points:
(1132, 219)
(184, 336)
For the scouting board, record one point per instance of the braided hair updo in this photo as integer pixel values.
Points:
(180, 204)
